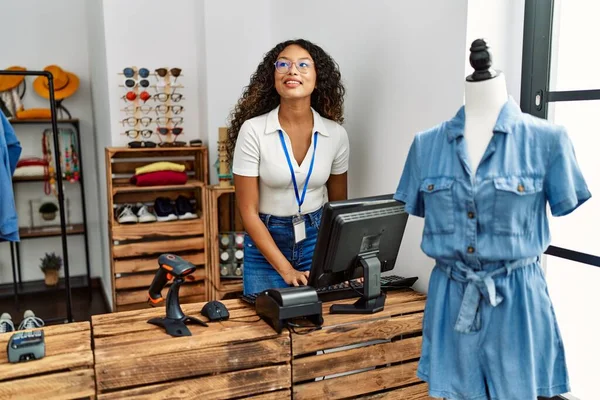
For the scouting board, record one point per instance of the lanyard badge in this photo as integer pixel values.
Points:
(298, 220)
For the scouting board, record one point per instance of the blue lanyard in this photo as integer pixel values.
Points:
(299, 199)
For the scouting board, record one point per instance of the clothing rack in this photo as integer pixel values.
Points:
(59, 183)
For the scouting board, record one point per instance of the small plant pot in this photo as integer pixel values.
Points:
(49, 216)
(51, 277)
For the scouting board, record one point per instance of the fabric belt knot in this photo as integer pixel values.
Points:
(480, 284)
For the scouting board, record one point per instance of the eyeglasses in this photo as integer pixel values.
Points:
(131, 83)
(167, 120)
(131, 96)
(137, 145)
(163, 97)
(130, 72)
(134, 133)
(132, 121)
(283, 66)
(132, 110)
(166, 131)
(163, 109)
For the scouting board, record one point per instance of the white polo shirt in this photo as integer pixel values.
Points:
(258, 152)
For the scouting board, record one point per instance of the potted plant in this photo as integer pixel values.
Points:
(51, 264)
(48, 211)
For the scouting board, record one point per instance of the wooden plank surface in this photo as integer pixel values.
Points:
(360, 332)
(144, 279)
(278, 395)
(265, 381)
(66, 385)
(413, 392)
(163, 153)
(119, 186)
(158, 247)
(189, 227)
(353, 385)
(306, 368)
(136, 368)
(151, 263)
(141, 295)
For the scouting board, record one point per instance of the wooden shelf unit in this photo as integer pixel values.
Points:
(220, 204)
(135, 248)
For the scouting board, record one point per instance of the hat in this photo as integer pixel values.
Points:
(8, 82)
(65, 83)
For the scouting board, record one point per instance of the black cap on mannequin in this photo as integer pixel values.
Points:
(481, 61)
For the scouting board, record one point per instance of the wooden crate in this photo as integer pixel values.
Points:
(241, 358)
(386, 346)
(135, 247)
(222, 216)
(66, 372)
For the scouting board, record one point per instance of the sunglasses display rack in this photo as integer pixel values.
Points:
(153, 112)
(226, 241)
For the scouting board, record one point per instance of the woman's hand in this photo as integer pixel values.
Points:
(295, 278)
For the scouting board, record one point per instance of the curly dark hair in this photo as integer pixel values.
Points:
(260, 96)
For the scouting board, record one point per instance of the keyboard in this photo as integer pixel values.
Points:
(343, 291)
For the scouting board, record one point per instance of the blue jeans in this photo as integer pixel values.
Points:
(259, 275)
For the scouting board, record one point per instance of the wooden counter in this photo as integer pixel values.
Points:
(232, 359)
(66, 372)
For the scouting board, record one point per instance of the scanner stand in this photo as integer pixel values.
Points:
(175, 321)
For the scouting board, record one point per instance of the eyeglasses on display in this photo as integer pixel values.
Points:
(163, 109)
(168, 120)
(163, 97)
(132, 121)
(135, 133)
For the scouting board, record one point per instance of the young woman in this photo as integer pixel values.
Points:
(290, 156)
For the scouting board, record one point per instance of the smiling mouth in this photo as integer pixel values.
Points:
(292, 82)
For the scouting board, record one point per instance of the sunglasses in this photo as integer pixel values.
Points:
(163, 97)
(130, 72)
(131, 83)
(133, 121)
(162, 72)
(138, 145)
(166, 131)
(131, 96)
(163, 109)
(133, 110)
(168, 120)
(172, 144)
(135, 133)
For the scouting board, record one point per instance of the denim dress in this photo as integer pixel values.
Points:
(489, 328)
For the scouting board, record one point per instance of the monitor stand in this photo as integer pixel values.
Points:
(373, 299)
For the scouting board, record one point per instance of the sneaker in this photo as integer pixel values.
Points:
(30, 321)
(126, 215)
(164, 209)
(144, 215)
(184, 208)
(6, 324)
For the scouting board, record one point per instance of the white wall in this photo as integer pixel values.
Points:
(39, 33)
(403, 67)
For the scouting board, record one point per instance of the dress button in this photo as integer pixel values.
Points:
(471, 215)
(470, 250)
(430, 187)
(520, 188)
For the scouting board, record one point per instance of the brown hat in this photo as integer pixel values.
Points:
(65, 83)
(8, 82)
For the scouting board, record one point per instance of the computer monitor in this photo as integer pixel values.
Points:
(358, 238)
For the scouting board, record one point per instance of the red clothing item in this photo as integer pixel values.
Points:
(160, 178)
(30, 161)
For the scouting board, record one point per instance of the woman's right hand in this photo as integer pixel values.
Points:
(295, 278)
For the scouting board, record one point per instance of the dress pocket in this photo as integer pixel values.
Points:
(514, 204)
(439, 205)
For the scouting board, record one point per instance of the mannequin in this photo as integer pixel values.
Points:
(485, 95)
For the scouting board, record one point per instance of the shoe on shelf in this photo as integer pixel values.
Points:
(6, 324)
(30, 321)
(164, 209)
(126, 215)
(184, 208)
(144, 214)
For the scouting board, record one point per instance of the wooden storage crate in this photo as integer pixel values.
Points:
(384, 346)
(223, 216)
(135, 247)
(66, 372)
(240, 358)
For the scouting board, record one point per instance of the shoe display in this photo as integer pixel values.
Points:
(126, 215)
(30, 321)
(6, 324)
(144, 214)
(184, 208)
(164, 210)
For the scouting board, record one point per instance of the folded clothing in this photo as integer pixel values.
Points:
(160, 178)
(29, 161)
(30, 170)
(160, 166)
